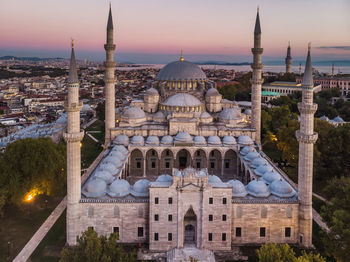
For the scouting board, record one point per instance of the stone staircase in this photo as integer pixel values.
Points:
(190, 253)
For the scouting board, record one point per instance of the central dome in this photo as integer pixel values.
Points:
(181, 70)
(182, 99)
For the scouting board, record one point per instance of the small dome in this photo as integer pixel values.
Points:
(212, 92)
(338, 119)
(245, 140)
(230, 114)
(166, 140)
(152, 91)
(152, 141)
(259, 161)
(281, 188)
(165, 178)
(104, 175)
(181, 70)
(140, 188)
(205, 115)
(229, 140)
(214, 179)
(201, 174)
(178, 173)
(214, 140)
(247, 112)
(258, 189)
(324, 118)
(245, 150)
(134, 113)
(119, 188)
(182, 99)
(183, 137)
(121, 149)
(238, 189)
(117, 154)
(95, 188)
(271, 176)
(137, 140)
(111, 168)
(121, 140)
(251, 156)
(159, 116)
(261, 170)
(199, 141)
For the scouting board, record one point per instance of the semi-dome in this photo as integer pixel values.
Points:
(205, 115)
(229, 140)
(261, 170)
(251, 156)
(214, 179)
(181, 70)
(134, 113)
(166, 140)
(165, 178)
(140, 188)
(214, 140)
(152, 141)
(245, 140)
(104, 175)
(95, 188)
(137, 140)
(183, 137)
(258, 162)
(152, 91)
(159, 116)
(238, 189)
(230, 114)
(121, 140)
(199, 140)
(271, 176)
(281, 188)
(212, 92)
(119, 188)
(182, 99)
(245, 150)
(258, 189)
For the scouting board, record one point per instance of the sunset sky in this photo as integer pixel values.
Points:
(154, 31)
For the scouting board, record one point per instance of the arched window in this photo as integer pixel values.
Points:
(116, 211)
(90, 211)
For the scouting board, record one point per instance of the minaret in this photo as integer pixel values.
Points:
(256, 80)
(73, 136)
(288, 60)
(109, 80)
(332, 69)
(306, 138)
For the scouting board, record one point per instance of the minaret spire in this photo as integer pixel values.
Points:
(73, 136)
(256, 80)
(289, 60)
(109, 80)
(306, 138)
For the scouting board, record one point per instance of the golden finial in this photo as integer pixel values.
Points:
(309, 46)
(181, 57)
(72, 42)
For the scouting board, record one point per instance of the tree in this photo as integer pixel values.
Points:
(93, 248)
(100, 111)
(337, 217)
(35, 166)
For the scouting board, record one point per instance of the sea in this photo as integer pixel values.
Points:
(247, 68)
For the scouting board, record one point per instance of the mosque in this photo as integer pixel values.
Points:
(184, 167)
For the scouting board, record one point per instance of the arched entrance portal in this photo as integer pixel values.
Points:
(183, 159)
(190, 226)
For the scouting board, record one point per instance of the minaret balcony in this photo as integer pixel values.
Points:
(73, 137)
(307, 108)
(109, 64)
(109, 80)
(258, 66)
(257, 50)
(305, 138)
(73, 107)
(109, 46)
(254, 81)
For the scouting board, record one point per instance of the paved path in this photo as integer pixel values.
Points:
(32, 244)
(92, 138)
(318, 219)
(89, 123)
(321, 198)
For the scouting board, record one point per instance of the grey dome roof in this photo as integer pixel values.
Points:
(183, 137)
(214, 140)
(104, 175)
(182, 99)
(238, 189)
(134, 113)
(271, 176)
(159, 115)
(245, 140)
(199, 140)
(245, 150)
(258, 162)
(117, 154)
(121, 149)
(152, 140)
(181, 70)
(338, 119)
(212, 92)
(140, 188)
(261, 170)
(121, 140)
(214, 179)
(205, 115)
(230, 114)
(166, 140)
(324, 118)
(119, 188)
(281, 188)
(247, 112)
(96, 187)
(165, 178)
(251, 156)
(229, 140)
(152, 91)
(112, 160)
(109, 167)
(138, 140)
(258, 189)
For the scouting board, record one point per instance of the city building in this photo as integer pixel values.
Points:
(183, 167)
